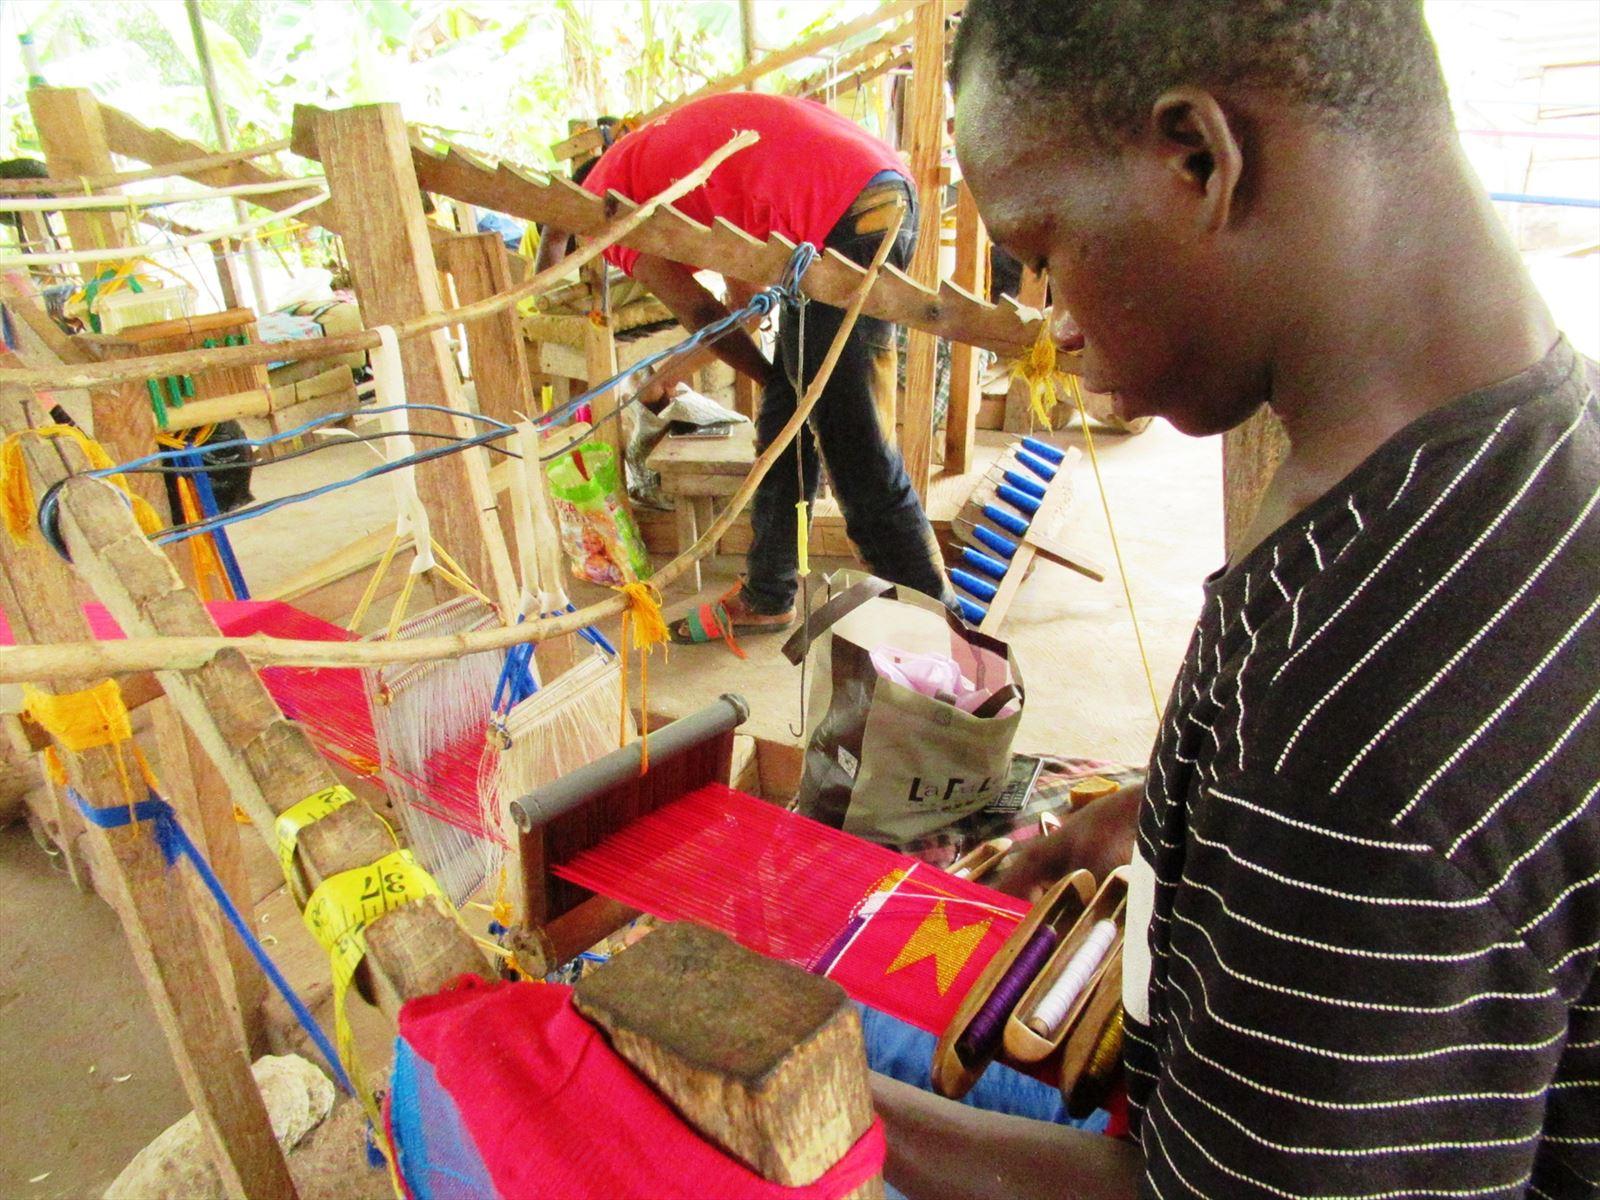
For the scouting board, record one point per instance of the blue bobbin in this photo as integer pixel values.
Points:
(1010, 522)
(969, 582)
(1002, 546)
(1023, 484)
(979, 561)
(1044, 450)
(1020, 501)
(972, 614)
(1037, 465)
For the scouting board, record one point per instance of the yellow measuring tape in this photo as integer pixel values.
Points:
(295, 818)
(338, 914)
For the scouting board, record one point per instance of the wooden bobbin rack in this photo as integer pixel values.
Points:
(1016, 514)
(1068, 1048)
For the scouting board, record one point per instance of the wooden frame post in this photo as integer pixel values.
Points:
(366, 156)
(600, 358)
(972, 257)
(74, 141)
(495, 346)
(189, 982)
(926, 128)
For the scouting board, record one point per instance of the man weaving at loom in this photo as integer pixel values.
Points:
(1364, 904)
(816, 177)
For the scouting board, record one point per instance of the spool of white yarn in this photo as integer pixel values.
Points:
(1059, 998)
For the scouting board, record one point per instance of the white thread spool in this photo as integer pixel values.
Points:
(1053, 1006)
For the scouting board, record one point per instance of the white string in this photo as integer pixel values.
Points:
(119, 201)
(120, 253)
(412, 516)
(1069, 985)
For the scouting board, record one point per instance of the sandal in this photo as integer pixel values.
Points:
(711, 621)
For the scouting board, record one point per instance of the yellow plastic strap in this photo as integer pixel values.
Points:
(802, 537)
(80, 720)
(16, 491)
(295, 818)
(338, 914)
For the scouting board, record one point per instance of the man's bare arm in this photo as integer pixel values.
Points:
(941, 1150)
(676, 287)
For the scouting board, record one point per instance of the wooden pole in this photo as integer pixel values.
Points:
(972, 256)
(191, 991)
(1251, 454)
(74, 141)
(219, 120)
(600, 358)
(747, 35)
(927, 109)
(495, 346)
(367, 158)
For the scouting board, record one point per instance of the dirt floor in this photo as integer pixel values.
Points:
(79, 1020)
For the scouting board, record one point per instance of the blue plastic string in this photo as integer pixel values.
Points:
(174, 843)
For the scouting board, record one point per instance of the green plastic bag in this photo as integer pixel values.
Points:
(597, 529)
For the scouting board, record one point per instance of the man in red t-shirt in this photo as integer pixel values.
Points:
(816, 177)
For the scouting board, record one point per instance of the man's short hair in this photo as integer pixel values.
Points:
(1364, 65)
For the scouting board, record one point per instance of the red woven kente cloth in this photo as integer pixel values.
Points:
(552, 1110)
(895, 933)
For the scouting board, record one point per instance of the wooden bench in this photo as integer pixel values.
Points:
(696, 472)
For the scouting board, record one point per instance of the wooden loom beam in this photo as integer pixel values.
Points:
(947, 311)
(367, 162)
(188, 979)
(927, 145)
(114, 179)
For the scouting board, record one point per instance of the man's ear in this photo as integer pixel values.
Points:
(1201, 147)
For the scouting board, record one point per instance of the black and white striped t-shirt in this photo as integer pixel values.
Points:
(1369, 859)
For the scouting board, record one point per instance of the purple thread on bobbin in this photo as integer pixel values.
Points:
(983, 1031)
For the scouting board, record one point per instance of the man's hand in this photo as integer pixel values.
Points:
(1097, 837)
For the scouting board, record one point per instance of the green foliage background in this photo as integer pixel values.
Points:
(500, 76)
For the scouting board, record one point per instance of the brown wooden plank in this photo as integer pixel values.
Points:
(762, 1057)
(74, 141)
(495, 346)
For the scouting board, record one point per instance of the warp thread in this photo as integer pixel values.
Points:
(1058, 999)
(982, 1034)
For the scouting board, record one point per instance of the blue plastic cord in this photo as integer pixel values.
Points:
(174, 844)
(210, 508)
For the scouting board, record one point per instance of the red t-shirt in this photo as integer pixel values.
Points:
(798, 180)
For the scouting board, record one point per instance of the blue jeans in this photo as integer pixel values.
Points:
(905, 1052)
(882, 512)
